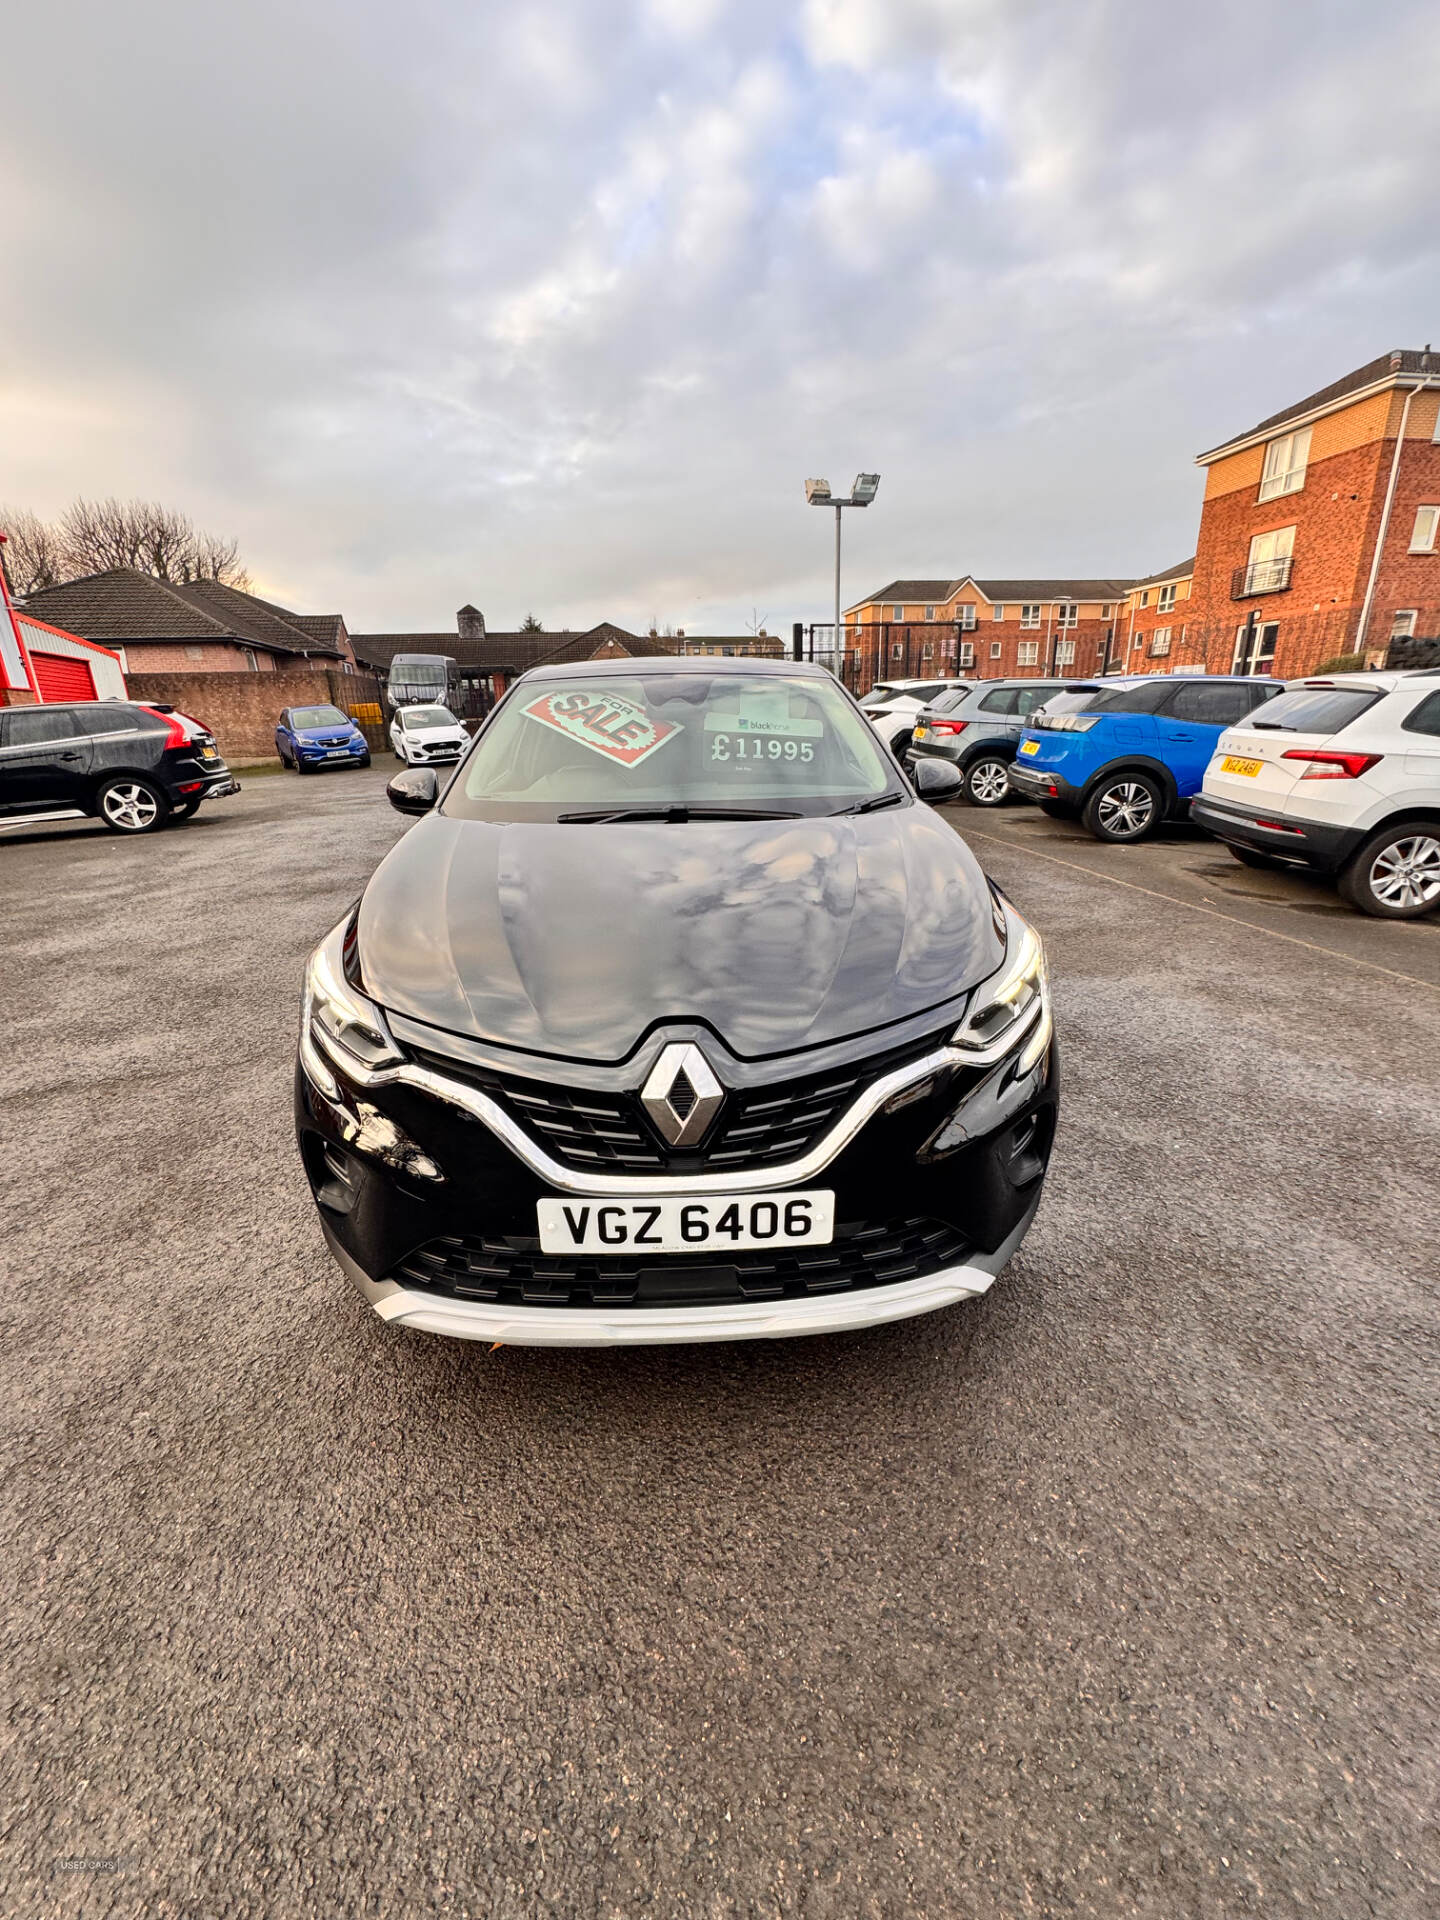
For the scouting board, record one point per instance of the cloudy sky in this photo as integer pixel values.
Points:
(554, 306)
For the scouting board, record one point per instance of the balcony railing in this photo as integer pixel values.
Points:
(1261, 576)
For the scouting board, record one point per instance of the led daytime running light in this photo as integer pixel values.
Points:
(1008, 1000)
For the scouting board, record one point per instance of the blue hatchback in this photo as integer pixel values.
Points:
(309, 738)
(1133, 757)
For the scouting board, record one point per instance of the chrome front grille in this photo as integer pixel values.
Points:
(756, 1127)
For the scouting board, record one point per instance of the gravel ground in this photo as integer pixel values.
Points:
(1109, 1594)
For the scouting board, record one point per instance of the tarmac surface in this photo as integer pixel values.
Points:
(1110, 1594)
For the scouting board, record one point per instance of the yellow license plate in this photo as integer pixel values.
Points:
(920, 733)
(1029, 746)
(1230, 764)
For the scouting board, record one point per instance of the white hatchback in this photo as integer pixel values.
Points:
(1341, 775)
(427, 736)
(893, 706)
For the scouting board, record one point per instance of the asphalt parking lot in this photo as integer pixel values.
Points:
(1110, 1594)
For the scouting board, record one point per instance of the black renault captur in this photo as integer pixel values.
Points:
(676, 1017)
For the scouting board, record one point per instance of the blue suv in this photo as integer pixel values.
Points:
(309, 738)
(1133, 757)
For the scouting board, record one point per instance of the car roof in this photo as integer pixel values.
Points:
(1385, 682)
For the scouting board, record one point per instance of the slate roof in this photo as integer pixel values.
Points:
(1399, 360)
(1183, 572)
(1006, 590)
(1108, 589)
(508, 653)
(123, 606)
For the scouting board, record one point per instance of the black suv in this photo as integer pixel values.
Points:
(133, 767)
(675, 1018)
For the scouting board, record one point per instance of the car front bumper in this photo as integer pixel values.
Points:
(1302, 842)
(424, 1209)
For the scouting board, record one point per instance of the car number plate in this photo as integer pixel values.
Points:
(208, 753)
(336, 753)
(1029, 746)
(1231, 764)
(718, 1223)
(920, 733)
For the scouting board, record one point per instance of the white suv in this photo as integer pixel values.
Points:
(1341, 775)
(891, 701)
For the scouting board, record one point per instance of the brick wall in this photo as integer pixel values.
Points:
(193, 656)
(241, 709)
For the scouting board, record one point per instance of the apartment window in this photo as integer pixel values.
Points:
(927, 652)
(1028, 653)
(1144, 599)
(1030, 615)
(1067, 614)
(967, 653)
(929, 613)
(897, 613)
(1427, 525)
(1064, 653)
(1285, 465)
(995, 649)
(252, 660)
(997, 612)
(1268, 568)
(1159, 643)
(1402, 624)
(1165, 598)
(1106, 610)
(966, 612)
(897, 652)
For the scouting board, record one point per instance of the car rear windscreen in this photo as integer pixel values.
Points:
(1317, 709)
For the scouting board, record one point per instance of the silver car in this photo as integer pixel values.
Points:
(978, 728)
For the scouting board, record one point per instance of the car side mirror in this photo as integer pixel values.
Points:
(413, 791)
(936, 780)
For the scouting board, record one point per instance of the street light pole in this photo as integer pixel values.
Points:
(818, 493)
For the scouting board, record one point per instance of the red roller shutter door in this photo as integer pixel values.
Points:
(62, 678)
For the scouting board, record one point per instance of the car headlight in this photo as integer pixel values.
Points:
(1006, 1004)
(350, 1028)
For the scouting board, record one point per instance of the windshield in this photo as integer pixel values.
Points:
(1317, 709)
(318, 717)
(421, 674)
(773, 743)
(419, 717)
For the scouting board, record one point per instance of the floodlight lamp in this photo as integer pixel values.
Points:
(817, 492)
(867, 485)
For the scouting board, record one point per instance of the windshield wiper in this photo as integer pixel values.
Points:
(869, 806)
(679, 813)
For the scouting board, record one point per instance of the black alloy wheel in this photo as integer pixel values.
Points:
(1125, 807)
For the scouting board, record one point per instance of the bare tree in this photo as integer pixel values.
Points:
(33, 554)
(756, 622)
(96, 535)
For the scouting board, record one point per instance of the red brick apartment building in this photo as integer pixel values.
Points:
(992, 628)
(1320, 530)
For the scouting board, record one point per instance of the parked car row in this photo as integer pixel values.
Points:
(311, 738)
(1339, 774)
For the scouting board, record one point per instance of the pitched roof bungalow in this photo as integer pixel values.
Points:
(161, 626)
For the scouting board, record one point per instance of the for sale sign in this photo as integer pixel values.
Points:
(604, 723)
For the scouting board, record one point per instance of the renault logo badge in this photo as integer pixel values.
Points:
(682, 1095)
